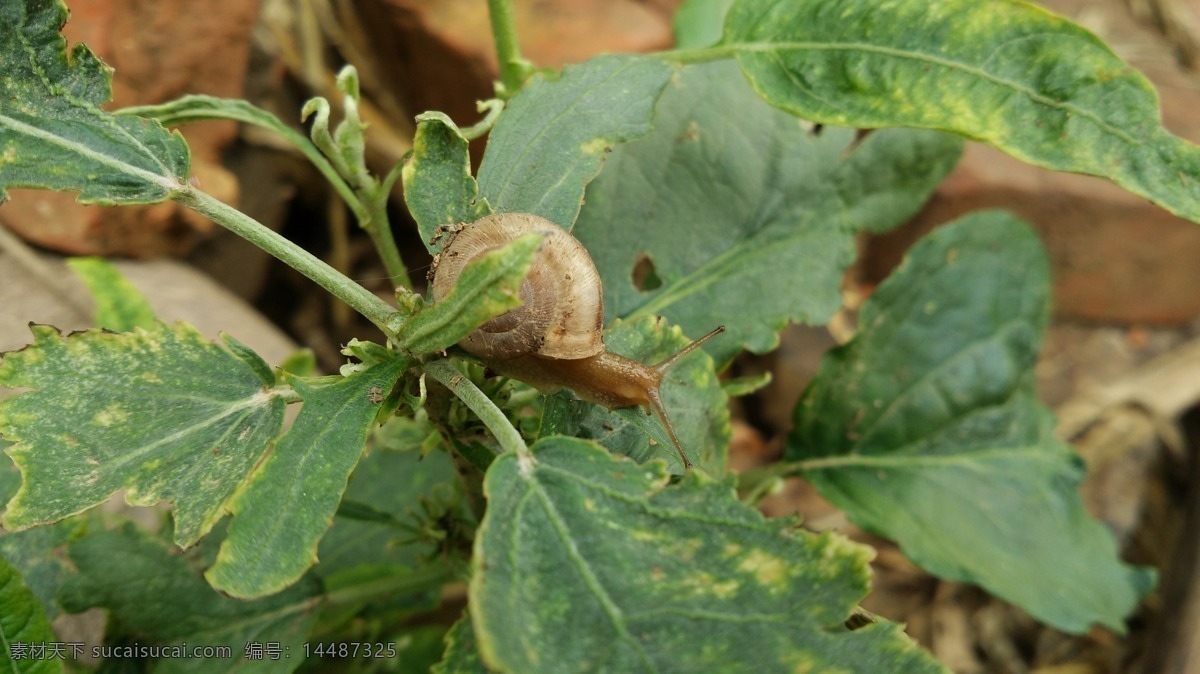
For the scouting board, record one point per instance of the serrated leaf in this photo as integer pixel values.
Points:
(552, 139)
(462, 653)
(53, 134)
(695, 402)
(768, 210)
(23, 627)
(586, 562)
(120, 307)
(156, 598)
(161, 413)
(487, 287)
(1007, 73)
(438, 186)
(290, 500)
(925, 428)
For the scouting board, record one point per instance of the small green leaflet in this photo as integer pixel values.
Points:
(160, 412)
(155, 598)
(768, 209)
(23, 624)
(53, 134)
(695, 402)
(586, 563)
(438, 187)
(925, 428)
(552, 139)
(290, 500)
(1004, 72)
(119, 305)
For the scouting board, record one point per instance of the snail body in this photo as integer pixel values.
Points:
(554, 340)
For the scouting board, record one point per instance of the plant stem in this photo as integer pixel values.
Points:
(359, 298)
(513, 68)
(483, 407)
(380, 230)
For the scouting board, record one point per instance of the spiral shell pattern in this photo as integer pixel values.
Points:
(563, 310)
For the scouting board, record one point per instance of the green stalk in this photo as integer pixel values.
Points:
(478, 402)
(513, 68)
(359, 298)
(684, 57)
(425, 578)
(380, 230)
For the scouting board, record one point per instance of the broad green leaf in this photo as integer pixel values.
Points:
(925, 429)
(24, 628)
(695, 402)
(155, 598)
(767, 208)
(586, 562)
(487, 287)
(462, 653)
(53, 134)
(1005, 72)
(161, 413)
(290, 500)
(438, 186)
(119, 305)
(552, 140)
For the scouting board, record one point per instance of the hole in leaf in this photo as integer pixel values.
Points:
(645, 278)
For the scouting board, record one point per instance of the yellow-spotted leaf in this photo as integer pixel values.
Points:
(1005, 72)
(161, 413)
(53, 134)
(438, 186)
(586, 562)
(289, 503)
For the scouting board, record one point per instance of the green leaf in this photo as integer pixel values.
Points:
(767, 207)
(696, 404)
(438, 187)
(698, 23)
(35, 554)
(161, 413)
(394, 483)
(23, 627)
(925, 429)
(552, 140)
(586, 562)
(488, 286)
(53, 134)
(289, 502)
(1007, 73)
(462, 652)
(120, 307)
(155, 598)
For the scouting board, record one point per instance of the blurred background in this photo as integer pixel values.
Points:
(1121, 367)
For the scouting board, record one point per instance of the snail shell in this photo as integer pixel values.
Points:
(563, 308)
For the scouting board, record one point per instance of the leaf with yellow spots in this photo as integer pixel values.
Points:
(1004, 72)
(269, 547)
(53, 134)
(926, 429)
(586, 562)
(161, 412)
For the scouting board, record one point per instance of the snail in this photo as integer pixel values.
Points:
(554, 339)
